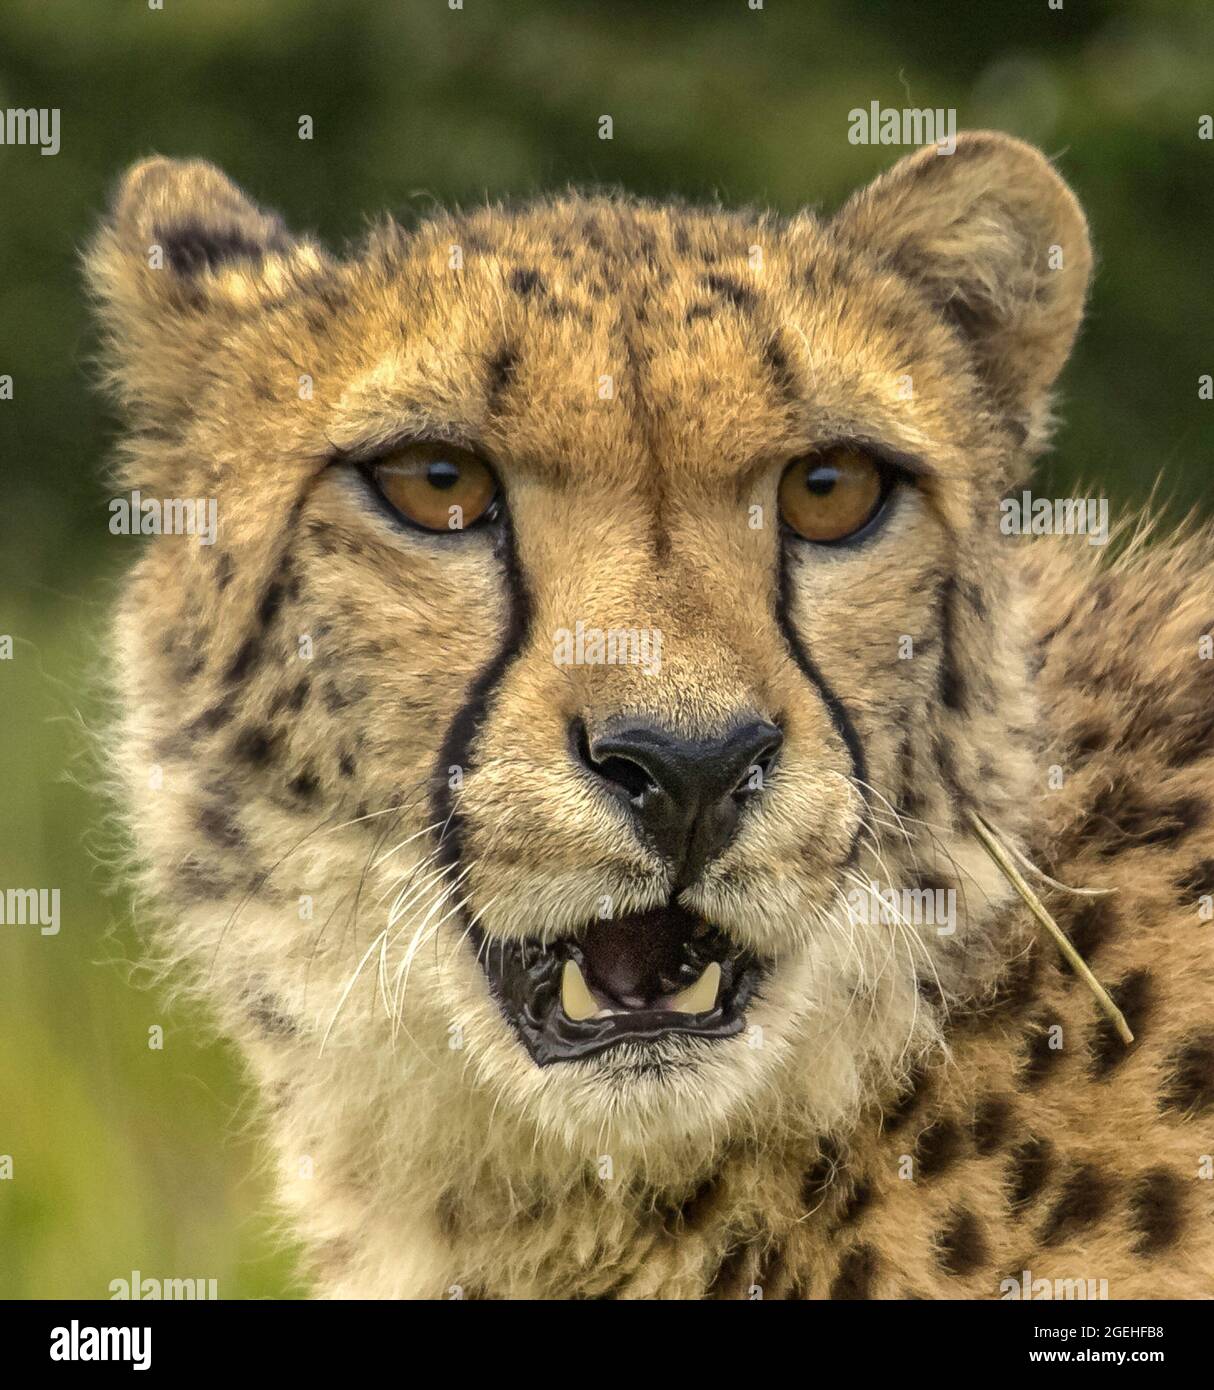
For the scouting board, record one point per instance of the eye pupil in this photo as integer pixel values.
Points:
(821, 479)
(442, 474)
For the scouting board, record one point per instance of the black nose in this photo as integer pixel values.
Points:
(686, 794)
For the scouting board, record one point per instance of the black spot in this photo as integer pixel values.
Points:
(304, 784)
(699, 311)
(961, 1245)
(729, 1280)
(818, 1178)
(503, 367)
(858, 1202)
(1028, 1170)
(1197, 881)
(220, 827)
(729, 289)
(1091, 925)
(1134, 996)
(256, 746)
(1088, 739)
(1191, 737)
(527, 283)
(781, 369)
(1135, 822)
(1016, 988)
(990, 1123)
(223, 570)
(771, 1271)
(1189, 1085)
(270, 602)
(897, 1114)
(345, 764)
(191, 247)
(270, 1019)
(694, 1208)
(1040, 1058)
(1156, 1211)
(1082, 1201)
(211, 719)
(855, 1276)
(201, 881)
(937, 1148)
(243, 662)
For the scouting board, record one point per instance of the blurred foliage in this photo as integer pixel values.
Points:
(126, 1157)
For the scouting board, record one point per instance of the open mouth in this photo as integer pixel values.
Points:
(635, 979)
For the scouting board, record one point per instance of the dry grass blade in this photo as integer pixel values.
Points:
(1001, 857)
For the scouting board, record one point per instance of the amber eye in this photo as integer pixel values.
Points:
(436, 486)
(829, 496)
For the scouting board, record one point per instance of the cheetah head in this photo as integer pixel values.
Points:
(603, 593)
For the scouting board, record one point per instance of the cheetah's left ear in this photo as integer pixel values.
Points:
(183, 258)
(998, 243)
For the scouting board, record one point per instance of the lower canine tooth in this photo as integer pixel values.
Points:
(700, 997)
(576, 999)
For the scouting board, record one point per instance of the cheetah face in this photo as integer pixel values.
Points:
(603, 592)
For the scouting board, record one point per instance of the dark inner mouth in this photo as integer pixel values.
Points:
(634, 979)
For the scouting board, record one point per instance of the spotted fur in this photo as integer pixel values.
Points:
(900, 1120)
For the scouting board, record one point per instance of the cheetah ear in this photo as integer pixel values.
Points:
(998, 243)
(183, 256)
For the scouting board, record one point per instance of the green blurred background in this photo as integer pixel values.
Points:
(126, 1157)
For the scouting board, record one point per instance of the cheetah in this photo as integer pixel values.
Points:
(604, 593)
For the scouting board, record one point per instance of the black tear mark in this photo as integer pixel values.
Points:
(839, 715)
(457, 747)
(952, 684)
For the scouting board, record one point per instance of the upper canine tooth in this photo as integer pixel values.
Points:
(700, 997)
(576, 999)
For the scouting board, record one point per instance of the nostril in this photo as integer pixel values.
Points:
(635, 780)
(754, 779)
(623, 773)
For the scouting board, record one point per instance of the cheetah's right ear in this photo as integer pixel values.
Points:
(183, 257)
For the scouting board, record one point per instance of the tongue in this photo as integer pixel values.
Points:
(628, 958)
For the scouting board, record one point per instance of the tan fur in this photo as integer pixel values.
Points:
(903, 1128)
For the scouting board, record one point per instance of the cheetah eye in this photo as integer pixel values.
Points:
(829, 496)
(436, 486)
